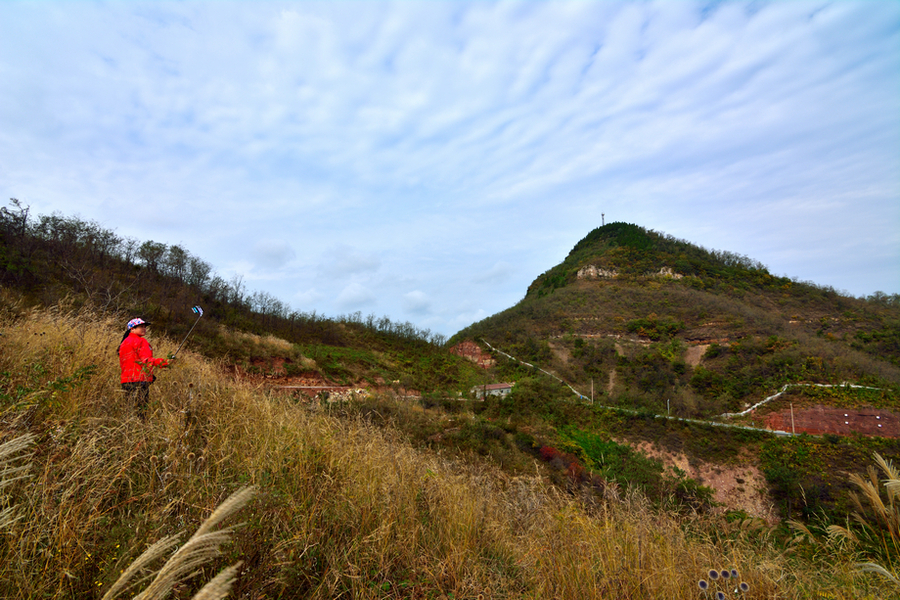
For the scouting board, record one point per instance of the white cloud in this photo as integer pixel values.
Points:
(308, 300)
(343, 261)
(272, 254)
(411, 140)
(416, 302)
(354, 297)
(497, 274)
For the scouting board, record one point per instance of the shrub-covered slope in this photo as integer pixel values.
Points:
(341, 509)
(48, 258)
(647, 320)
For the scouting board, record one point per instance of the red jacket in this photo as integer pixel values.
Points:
(136, 359)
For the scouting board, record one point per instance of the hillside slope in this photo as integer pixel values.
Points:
(46, 259)
(613, 317)
(342, 508)
(648, 321)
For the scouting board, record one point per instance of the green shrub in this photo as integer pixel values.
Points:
(654, 327)
(619, 463)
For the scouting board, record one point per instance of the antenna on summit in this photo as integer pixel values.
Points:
(602, 219)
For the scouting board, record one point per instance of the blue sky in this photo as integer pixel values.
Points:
(427, 160)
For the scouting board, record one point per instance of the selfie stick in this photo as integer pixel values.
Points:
(197, 311)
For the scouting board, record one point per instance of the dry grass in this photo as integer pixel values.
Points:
(877, 520)
(12, 470)
(343, 510)
(880, 518)
(204, 546)
(269, 343)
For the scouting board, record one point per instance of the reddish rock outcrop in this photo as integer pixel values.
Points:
(473, 352)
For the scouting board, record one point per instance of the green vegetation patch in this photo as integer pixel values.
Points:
(627, 467)
(809, 476)
(34, 384)
(837, 396)
(654, 327)
(883, 342)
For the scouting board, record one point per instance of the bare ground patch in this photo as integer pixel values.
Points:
(693, 354)
(561, 353)
(741, 487)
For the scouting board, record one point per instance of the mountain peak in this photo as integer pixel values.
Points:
(631, 251)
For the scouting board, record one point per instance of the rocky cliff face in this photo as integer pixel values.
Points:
(595, 272)
(473, 352)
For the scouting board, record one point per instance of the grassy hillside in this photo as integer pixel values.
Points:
(533, 495)
(657, 326)
(654, 319)
(344, 506)
(46, 259)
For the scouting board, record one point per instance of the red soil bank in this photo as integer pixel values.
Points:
(841, 421)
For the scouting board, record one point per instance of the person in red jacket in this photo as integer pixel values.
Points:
(137, 363)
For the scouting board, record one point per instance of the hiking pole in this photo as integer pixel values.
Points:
(197, 311)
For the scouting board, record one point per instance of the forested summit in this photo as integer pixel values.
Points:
(625, 250)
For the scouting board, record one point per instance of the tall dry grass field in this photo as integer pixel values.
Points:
(342, 509)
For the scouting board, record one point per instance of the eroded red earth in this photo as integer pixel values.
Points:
(820, 419)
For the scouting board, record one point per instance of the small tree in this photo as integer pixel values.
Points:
(151, 254)
(176, 263)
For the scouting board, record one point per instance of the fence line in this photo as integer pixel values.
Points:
(696, 421)
(785, 387)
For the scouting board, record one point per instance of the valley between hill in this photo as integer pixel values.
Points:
(380, 470)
